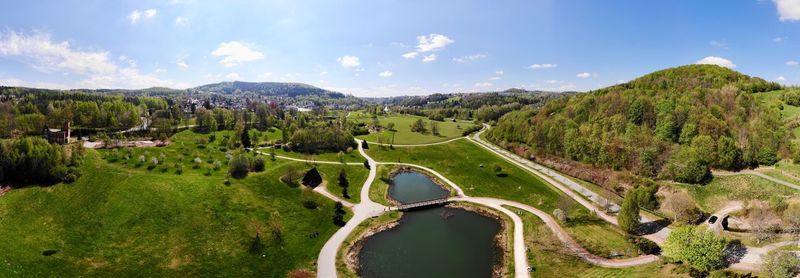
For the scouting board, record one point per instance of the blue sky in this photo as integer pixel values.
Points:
(380, 48)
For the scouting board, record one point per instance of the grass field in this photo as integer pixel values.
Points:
(352, 156)
(549, 258)
(460, 161)
(788, 111)
(356, 175)
(712, 196)
(402, 123)
(599, 237)
(122, 220)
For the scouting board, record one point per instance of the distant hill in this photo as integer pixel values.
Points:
(277, 89)
(673, 124)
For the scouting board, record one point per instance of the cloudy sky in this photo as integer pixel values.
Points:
(380, 48)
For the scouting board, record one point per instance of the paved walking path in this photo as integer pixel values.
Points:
(587, 198)
(751, 260)
(326, 262)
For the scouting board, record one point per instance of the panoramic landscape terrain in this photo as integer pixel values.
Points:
(277, 139)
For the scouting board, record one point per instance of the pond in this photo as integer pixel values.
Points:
(430, 242)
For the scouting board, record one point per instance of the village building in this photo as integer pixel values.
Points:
(57, 136)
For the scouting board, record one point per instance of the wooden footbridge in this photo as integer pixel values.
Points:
(419, 204)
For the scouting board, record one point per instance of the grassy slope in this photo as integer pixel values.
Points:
(712, 196)
(549, 258)
(352, 156)
(356, 175)
(403, 135)
(121, 220)
(460, 162)
(788, 111)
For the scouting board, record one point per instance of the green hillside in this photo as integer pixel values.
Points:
(673, 124)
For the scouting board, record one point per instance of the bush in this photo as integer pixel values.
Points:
(628, 217)
(258, 164)
(646, 246)
(560, 215)
(312, 178)
(239, 165)
(310, 204)
(696, 246)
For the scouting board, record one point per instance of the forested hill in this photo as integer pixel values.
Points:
(267, 89)
(671, 124)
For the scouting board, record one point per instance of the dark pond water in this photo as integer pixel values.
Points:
(431, 242)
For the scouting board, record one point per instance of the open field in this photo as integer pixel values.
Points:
(473, 168)
(402, 123)
(721, 189)
(548, 257)
(118, 220)
(352, 156)
(356, 175)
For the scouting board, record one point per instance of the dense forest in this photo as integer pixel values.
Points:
(672, 124)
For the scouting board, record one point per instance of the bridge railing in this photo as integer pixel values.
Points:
(422, 203)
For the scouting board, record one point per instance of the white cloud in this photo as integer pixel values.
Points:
(182, 64)
(499, 72)
(542, 66)
(469, 58)
(719, 44)
(386, 73)
(778, 39)
(323, 73)
(129, 61)
(483, 84)
(493, 78)
(410, 55)
(432, 42)
(788, 10)
(583, 75)
(265, 75)
(150, 12)
(359, 69)
(181, 21)
(236, 53)
(714, 60)
(160, 70)
(134, 16)
(429, 58)
(349, 61)
(781, 78)
(792, 63)
(95, 68)
(552, 81)
(47, 56)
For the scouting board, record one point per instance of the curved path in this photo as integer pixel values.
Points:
(519, 243)
(756, 173)
(326, 262)
(587, 198)
(417, 145)
(750, 261)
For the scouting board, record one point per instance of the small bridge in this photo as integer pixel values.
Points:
(425, 203)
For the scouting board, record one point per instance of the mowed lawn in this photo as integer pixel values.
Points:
(548, 257)
(121, 220)
(404, 136)
(473, 168)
